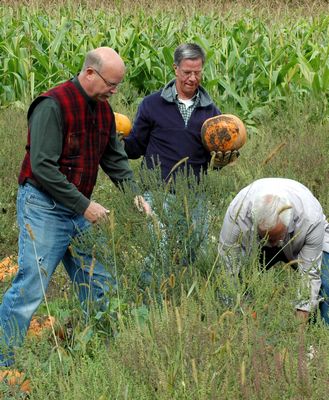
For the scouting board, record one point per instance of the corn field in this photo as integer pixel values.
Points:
(251, 62)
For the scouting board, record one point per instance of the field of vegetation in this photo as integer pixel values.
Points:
(177, 336)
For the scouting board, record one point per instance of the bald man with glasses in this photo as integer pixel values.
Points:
(71, 132)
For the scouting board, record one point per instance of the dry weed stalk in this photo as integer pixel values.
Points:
(29, 229)
(273, 153)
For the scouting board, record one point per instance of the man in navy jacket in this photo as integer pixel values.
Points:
(167, 130)
(167, 127)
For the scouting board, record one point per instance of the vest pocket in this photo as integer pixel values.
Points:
(74, 144)
(73, 174)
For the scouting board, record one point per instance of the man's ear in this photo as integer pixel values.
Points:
(89, 72)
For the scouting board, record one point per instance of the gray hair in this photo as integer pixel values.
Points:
(189, 51)
(92, 60)
(270, 209)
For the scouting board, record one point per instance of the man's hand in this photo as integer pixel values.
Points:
(302, 316)
(121, 136)
(142, 205)
(220, 159)
(95, 212)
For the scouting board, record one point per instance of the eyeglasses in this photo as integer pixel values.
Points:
(111, 85)
(188, 74)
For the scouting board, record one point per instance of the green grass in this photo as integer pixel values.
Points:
(193, 345)
(13, 136)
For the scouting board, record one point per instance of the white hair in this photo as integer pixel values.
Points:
(270, 209)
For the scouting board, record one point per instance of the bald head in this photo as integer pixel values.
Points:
(103, 57)
(102, 72)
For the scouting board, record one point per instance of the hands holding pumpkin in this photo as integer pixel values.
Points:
(220, 159)
(223, 136)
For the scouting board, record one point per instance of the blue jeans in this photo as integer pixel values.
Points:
(324, 306)
(46, 229)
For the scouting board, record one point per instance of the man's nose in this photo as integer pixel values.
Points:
(193, 76)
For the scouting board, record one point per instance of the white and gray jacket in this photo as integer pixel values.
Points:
(308, 232)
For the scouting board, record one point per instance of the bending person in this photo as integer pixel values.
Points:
(288, 221)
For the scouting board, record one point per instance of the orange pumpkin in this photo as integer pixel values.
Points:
(223, 132)
(15, 378)
(40, 325)
(253, 315)
(123, 124)
(8, 268)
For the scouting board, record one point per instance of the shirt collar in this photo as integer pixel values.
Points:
(167, 94)
(175, 94)
(89, 100)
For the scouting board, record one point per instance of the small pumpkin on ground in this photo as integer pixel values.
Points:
(15, 378)
(40, 325)
(123, 124)
(8, 268)
(225, 132)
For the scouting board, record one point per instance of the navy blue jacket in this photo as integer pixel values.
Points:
(160, 135)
